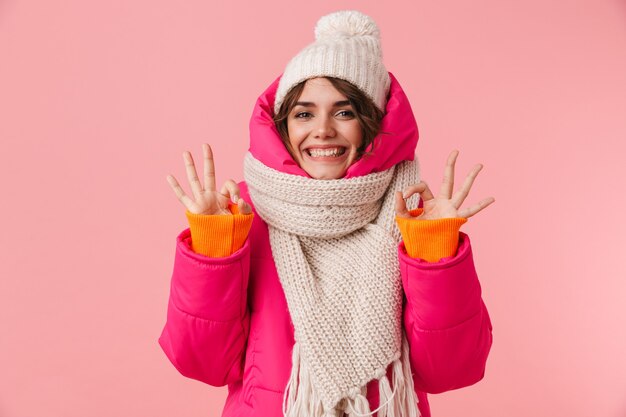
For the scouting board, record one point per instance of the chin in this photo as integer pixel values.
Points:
(326, 174)
(326, 171)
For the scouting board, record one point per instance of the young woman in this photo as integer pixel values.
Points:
(311, 288)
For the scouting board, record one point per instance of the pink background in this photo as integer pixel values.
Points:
(98, 100)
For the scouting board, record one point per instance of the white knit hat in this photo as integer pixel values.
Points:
(347, 46)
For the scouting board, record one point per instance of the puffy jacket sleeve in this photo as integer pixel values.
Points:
(446, 321)
(207, 316)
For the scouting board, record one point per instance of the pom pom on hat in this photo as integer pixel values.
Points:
(346, 23)
(348, 47)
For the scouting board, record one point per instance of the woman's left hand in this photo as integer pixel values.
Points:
(445, 205)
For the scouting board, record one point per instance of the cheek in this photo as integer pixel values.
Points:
(295, 135)
(355, 135)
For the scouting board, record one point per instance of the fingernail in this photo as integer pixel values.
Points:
(235, 198)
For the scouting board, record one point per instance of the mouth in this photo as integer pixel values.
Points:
(327, 153)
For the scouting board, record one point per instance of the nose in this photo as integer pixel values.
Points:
(324, 127)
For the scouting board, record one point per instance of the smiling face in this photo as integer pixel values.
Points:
(324, 132)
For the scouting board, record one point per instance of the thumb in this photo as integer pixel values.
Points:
(244, 208)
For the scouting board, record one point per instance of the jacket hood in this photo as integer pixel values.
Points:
(390, 148)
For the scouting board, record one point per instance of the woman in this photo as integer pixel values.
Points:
(311, 289)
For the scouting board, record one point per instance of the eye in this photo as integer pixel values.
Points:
(302, 115)
(346, 113)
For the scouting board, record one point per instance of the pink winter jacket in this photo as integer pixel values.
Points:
(228, 321)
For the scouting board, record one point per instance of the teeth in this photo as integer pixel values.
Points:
(325, 152)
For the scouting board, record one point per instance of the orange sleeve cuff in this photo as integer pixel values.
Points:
(430, 240)
(219, 235)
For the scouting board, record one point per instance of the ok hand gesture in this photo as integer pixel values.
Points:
(445, 205)
(206, 199)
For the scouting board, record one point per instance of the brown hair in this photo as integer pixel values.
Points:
(368, 115)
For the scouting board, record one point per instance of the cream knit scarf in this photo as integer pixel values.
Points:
(334, 243)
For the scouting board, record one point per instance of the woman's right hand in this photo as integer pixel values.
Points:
(206, 199)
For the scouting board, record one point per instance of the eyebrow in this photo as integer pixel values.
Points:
(311, 104)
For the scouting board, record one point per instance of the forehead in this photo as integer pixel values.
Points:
(320, 90)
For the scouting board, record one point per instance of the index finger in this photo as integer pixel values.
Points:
(209, 168)
(401, 209)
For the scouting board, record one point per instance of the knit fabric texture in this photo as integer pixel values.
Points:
(347, 46)
(334, 243)
(430, 240)
(219, 235)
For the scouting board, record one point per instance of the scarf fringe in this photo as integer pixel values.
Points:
(409, 397)
(301, 398)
